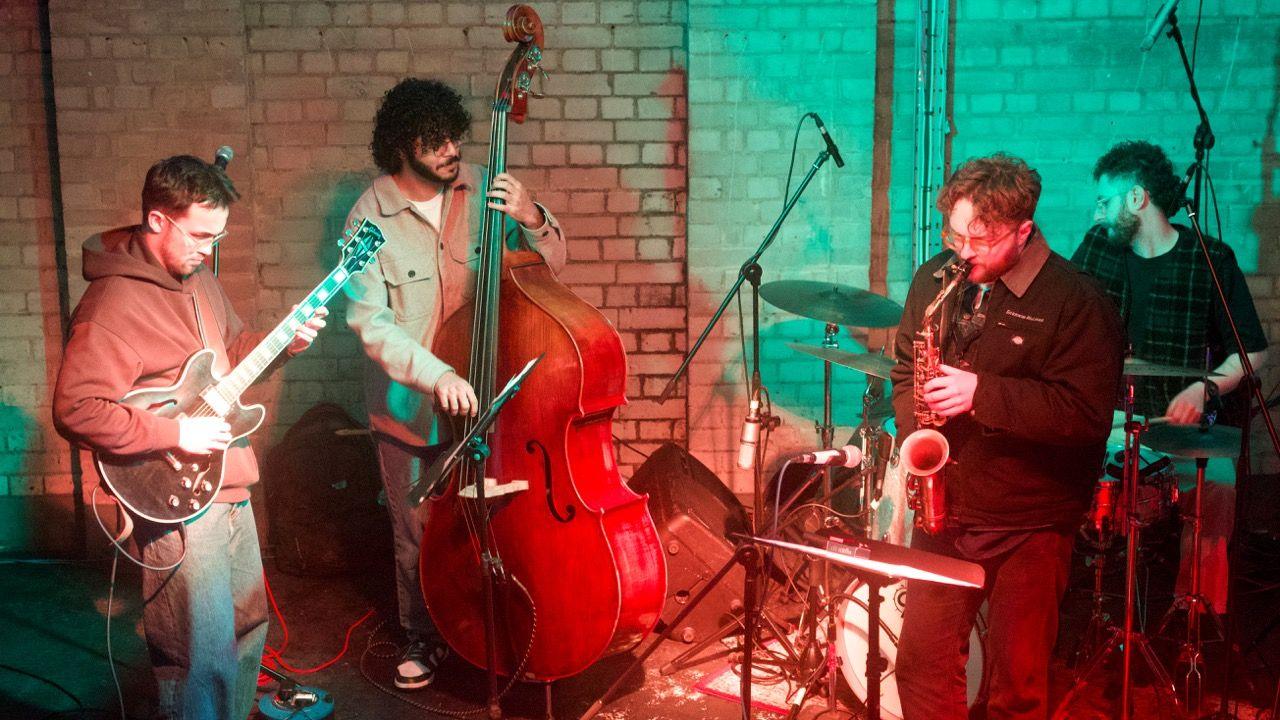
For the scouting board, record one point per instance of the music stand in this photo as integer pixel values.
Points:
(878, 564)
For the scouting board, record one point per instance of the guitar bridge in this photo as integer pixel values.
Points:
(494, 489)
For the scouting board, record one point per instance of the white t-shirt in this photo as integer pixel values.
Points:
(431, 209)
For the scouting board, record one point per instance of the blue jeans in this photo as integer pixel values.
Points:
(206, 620)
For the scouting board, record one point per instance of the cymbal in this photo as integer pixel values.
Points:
(1138, 367)
(869, 363)
(1191, 441)
(833, 303)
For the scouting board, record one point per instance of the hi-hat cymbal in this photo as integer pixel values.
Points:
(1138, 367)
(869, 363)
(1191, 441)
(833, 303)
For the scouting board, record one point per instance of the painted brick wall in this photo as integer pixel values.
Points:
(754, 69)
(1062, 103)
(293, 87)
(32, 458)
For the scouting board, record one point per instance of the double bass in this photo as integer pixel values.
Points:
(570, 568)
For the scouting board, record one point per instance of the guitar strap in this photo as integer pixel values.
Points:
(211, 336)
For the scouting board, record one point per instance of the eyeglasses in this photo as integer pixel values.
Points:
(201, 244)
(1101, 203)
(954, 241)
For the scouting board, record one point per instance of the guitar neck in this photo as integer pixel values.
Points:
(249, 369)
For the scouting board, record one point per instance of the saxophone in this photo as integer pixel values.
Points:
(925, 452)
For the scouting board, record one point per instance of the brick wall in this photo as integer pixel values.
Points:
(32, 458)
(754, 69)
(293, 85)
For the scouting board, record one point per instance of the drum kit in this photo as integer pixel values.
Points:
(1136, 489)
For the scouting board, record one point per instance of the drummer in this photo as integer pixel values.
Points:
(1156, 273)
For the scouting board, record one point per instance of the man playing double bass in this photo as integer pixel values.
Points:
(429, 206)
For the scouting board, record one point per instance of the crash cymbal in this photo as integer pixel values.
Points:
(833, 303)
(1138, 367)
(869, 363)
(1191, 441)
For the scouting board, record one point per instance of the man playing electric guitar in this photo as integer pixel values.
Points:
(151, 303)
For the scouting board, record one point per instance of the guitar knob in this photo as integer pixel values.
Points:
(206, 486)
(173, 501)
(195, 467)
(193, 504)
(186, 483)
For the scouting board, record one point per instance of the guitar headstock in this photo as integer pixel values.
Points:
(522, 26)
(364, 239)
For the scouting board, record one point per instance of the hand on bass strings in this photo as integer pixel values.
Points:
(203, 435)
(455, 395)
(517, 202)
(308, 332)
(951, 393)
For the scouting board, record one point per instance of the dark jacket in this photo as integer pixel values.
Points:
(1048, 361)
(134, 327)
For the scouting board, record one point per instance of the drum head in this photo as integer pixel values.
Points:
(851, 644)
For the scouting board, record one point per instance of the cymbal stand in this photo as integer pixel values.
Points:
(1195, 605)
(1127, 639)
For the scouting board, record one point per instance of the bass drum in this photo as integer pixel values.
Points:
(851, 645)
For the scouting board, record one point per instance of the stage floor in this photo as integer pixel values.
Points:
(53, 656)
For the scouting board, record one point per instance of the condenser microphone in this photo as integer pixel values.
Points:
(750, 434)
(847, 456)
(223, 156)
(1158, 25)
(831, 144)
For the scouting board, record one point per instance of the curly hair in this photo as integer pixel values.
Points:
(1004, 190)
(416, 109)
(176, 183)
(1146, 165)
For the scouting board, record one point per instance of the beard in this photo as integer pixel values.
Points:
(444, 174)
(1124, 229)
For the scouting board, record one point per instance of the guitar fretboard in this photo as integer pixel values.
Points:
(249, 369)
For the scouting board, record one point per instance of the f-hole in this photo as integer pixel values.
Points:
(569, 511)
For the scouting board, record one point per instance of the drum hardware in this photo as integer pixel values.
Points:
(1137, 367)
(1202, 444)
(1126, 639)
(876, 565)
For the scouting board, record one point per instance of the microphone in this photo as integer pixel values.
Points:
(847, 456)
(1158, 25)
(223, 156)
(831, 145)
(1184, 184)
(750, 434)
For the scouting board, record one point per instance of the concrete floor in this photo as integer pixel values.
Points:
(53, 655)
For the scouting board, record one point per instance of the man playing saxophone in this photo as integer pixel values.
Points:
(1022, 370)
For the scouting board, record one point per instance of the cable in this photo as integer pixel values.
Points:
(111, 594)
(277, 654)
(127, 531)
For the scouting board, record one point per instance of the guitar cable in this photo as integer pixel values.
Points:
(126, 524)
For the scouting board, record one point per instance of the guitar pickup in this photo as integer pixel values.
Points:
(494, 489)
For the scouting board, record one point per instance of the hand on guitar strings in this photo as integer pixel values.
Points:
(517, 201)
(203, 435)
(455, 395)
(308, 332)
(951, 393)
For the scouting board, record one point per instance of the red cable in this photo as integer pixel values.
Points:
(277, 654)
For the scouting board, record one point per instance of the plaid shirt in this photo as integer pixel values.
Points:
(1181, 307)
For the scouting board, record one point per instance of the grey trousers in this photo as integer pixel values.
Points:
(400, 471)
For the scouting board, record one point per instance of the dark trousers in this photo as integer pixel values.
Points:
(401, 470)
(1023, 588)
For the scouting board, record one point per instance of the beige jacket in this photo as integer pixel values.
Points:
(419, 278)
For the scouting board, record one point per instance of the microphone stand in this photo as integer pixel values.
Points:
(751, 558)
(1204, 141)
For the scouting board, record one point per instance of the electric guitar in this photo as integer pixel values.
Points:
(173, 486)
